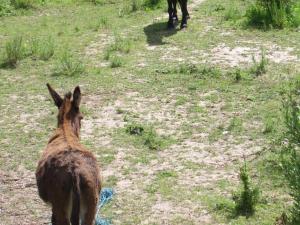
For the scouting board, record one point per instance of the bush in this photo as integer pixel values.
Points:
(247, 199)
(152, 4)
(15, 51)
(272, 14)
(22, 4)
(6, 8)
(146, 135)
(290, 152)
(69, 65)
(202, 71)
(42, 49)
(259, 68)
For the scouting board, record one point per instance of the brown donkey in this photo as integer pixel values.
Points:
(67, 175)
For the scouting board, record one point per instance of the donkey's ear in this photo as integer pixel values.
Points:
(57, 99)
(76, 96)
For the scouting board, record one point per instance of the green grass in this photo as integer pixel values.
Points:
(167, 122)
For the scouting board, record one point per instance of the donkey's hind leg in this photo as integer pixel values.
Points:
(59, 215)
(91, 201)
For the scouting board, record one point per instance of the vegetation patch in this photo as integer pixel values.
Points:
(273, 14)
(147, 136)
(290, 150)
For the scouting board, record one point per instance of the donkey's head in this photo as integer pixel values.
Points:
(68, 108)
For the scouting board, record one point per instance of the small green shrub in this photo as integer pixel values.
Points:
(146, 135)
(42, 48)
(22, 4)
(102, 23)
(259, 68)
(269, 126)
(153, 4)
(69, 65)
(272, 14)
(116, 62)
(6, 8)
(247, 199)
(290, 150)
(135, 5)
(202, 71)
(135, 129)
(232, 14)
(15, 51)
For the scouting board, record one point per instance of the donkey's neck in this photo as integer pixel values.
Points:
(69, 134)
(65, 133)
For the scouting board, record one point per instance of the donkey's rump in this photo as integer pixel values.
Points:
(58, 173)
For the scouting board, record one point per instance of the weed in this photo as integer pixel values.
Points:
(259, 68)
(272, 14)
(153, 4)
(147, 136)
(232, 14)
(237, 75)
(116, 62)
(135, 5)
(120, 45)
(6, 8)
(202, 71)
(69, 65)
(235, 125)
(247, 198)
(134, 129)
(22, 4)
(269, 126)
(42, 49)
(15, 51)
(101, 24)
(290, 151)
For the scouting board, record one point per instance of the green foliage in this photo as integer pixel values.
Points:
(153, 4)
(273, 14)
(202, 71)
(116, 62)
(42, 48)
(69, 65)
(15, 51)
(232, 14)
(6, 8)
(22, 4)
(259, 68)
(102, 23)
(247, 198)
(120, 46)
(290, 152)
(147, 135)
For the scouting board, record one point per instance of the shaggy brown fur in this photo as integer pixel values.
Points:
(67, 175)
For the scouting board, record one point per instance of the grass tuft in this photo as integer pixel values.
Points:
(15, 51)
(69, 65)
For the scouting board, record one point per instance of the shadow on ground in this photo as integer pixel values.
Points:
(156, 32)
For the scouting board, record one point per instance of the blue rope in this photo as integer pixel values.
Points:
(105, 196)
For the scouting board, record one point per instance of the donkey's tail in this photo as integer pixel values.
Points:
(76, 201)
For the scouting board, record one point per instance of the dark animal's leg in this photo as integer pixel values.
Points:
(175, 17)
(53, 221)
(59, 216)
(170, 11)
(185, 13)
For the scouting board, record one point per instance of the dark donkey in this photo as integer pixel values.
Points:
(173, 18)
(67, 175)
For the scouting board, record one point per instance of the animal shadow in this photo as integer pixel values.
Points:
(157, 32)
